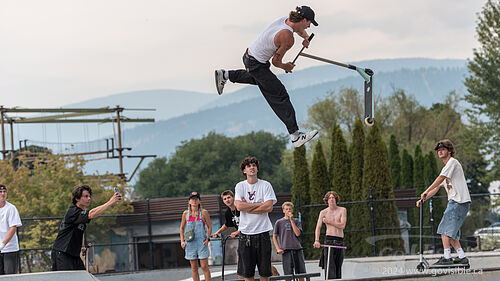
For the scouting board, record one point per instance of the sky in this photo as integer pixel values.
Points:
(58, 52)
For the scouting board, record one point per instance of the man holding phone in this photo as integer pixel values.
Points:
(70, 241)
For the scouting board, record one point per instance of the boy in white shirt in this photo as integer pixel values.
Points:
(254, 198)
(453, 180)
(9, 245)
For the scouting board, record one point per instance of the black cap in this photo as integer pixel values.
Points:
(440, 145)
(307, 13)
(194, 194)
(3, 187)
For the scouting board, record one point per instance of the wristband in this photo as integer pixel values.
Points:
(2, 245)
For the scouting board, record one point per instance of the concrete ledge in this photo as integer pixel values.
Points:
(76, 275)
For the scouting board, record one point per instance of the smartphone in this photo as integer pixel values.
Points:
(118, 190)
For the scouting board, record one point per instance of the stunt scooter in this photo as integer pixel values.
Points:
(423, 264)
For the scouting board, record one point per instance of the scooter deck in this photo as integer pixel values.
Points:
(456, 265)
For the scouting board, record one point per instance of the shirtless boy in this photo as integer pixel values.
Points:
(334, 217)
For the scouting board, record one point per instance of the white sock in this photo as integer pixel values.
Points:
(226, 74)
(295, 135)
(461, 253)
(447, 253)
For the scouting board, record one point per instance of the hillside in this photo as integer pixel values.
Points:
(183, 115)
(429, 85)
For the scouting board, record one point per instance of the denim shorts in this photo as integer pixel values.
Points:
(196, 250)
(453, 218)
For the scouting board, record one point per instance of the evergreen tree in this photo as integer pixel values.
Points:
(319, 176)
(406, 170)
(376, 174)
(331, 164)
(427, 177)
(341, 179)
(359, 216)
(475, 169)
(320, 184)
(407, 183)
(420, 186)
(484, 83)
(341, 182)
(430, 168)
(301, 188)
(438, 204)
(394, 163)
(300, 176)
(418, 170)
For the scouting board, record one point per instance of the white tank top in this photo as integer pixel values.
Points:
(263, 48)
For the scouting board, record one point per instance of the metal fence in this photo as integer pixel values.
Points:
(110, 252)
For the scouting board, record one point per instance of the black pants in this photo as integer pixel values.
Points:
(254, 250)
(272, 89)
(336, 257)
(64, 261)
(9, 263)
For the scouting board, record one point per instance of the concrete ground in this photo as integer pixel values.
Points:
(369, 268)
(484, 266)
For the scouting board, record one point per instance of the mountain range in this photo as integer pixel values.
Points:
(184, 115)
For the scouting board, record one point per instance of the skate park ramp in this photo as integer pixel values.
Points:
(77, 275)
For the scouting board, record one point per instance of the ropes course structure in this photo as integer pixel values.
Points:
(90, 150)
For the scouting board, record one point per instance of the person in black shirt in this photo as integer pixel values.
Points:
(69, 242)
(232, 215)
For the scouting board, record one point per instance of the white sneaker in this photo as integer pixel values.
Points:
(304, 137)
(220, 81)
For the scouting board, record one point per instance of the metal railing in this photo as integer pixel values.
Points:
(131, 255)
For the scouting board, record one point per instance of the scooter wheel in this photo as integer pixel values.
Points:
(420, 267)
(369, 121)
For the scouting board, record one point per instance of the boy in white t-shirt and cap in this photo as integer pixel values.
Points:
(254, 198)
(453, 180)
(9, 245)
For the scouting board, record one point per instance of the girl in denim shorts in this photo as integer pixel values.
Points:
(197, 249)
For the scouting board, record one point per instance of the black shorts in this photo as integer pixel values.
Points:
(9, 263)
(254, 250)
(295, 258)
(64, 261)
(336, 257)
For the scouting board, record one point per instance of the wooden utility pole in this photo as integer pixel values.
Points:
(120, 149)
(11, 141)
(3, 133)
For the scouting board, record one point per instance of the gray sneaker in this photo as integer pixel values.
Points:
(444, 261)
(220, 81)
(304, 137)
(463, 260)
